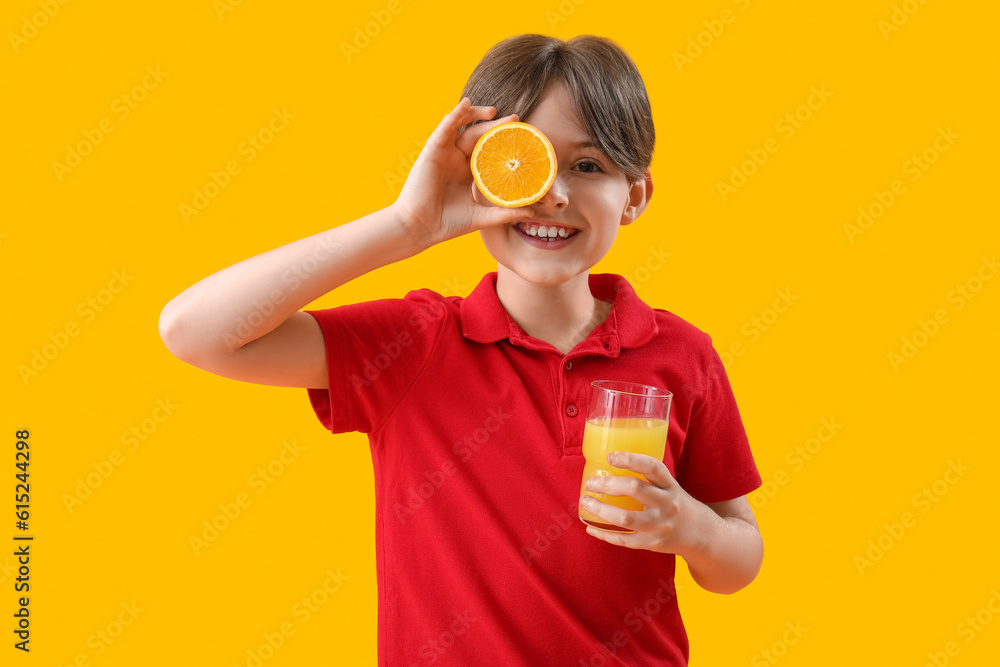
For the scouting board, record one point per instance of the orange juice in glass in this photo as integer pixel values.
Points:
(621, 417)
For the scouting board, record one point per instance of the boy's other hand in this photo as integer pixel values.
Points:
(436, 202)
(720, 541)
(671, 520)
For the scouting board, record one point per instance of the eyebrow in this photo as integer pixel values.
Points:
(585, 144)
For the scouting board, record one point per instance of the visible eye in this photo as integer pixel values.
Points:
(593, 164)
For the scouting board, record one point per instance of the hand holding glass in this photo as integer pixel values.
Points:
(621, 417)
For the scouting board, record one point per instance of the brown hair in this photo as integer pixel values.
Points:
(602, 79)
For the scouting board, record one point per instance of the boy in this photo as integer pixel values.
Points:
(475, 407)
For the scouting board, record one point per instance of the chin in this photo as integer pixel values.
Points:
(542, 275)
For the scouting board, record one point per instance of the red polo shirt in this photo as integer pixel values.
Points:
(476, 430)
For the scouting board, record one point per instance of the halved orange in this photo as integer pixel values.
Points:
(513, 164)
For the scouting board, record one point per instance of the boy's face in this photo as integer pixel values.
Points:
(589, 194)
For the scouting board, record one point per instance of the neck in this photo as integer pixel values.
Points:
(562, 315)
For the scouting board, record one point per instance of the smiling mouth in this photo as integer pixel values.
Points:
(545, 232)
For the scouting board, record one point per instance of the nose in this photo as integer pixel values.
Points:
(557, 197)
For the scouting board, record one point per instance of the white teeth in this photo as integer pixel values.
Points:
(542, 231)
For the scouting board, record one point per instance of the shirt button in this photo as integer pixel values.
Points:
(569, 365)
(571, 410)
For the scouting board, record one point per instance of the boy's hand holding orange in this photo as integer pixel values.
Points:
(436, 202)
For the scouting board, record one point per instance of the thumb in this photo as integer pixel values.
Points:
(498, 215)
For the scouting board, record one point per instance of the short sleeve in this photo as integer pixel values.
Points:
(716, 463)
(375, 350)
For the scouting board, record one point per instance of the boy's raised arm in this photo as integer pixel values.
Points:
(244, 322)
(224, 323)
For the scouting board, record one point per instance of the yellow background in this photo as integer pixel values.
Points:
(358, 119)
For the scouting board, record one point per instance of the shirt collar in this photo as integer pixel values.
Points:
(630, 323)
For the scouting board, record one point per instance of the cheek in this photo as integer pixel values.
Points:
(493, 238)
(602, 198)
(603, 208)
(613, 204)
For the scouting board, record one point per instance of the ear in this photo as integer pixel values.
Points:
(639, 195)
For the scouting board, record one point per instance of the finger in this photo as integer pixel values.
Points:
(616, 516)
(637, 489)
(629, 540)
(492, 215)
(464, 112)
(651, 468)
(467, 140)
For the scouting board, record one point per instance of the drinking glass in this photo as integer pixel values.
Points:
(622, 417)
